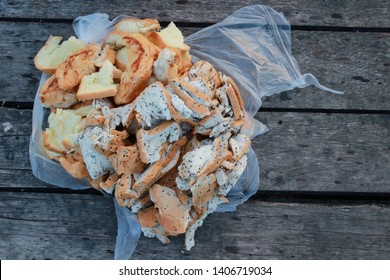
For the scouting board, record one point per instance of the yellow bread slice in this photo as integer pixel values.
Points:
(98, 85)
(63, 125)
(133, 25)
(52, 54)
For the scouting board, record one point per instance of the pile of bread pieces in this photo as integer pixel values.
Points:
(143, 122)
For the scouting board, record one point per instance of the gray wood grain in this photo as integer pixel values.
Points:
(63, 226)
(322, 13)
(301, 152)
(357, 63)
(324, 152)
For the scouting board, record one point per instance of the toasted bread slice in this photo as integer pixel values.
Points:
(52, 54)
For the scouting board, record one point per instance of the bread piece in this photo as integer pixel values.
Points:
(187, 92)
(224, 103)
(212, 205)
(70, 72)
(226, 184)
(124, 187)
(164, 67)
(127, 114)
(97, 164)
(150, 141)
(187, 102)
(150, 226)
(170, 155)
(204, 69)
(82, 109)
(180, 111)
(202, 191)
(63, 125)
(221, 154)
(139, 55)
(98, 85)
(113, 117)
(201, 83)
(74, 167)
(173, 214)
(152, 105)
(202, 161)
(141, 203)
(52, 54)
(134, 25)
(94, 118)
(108, 141)
(52, 96)
(170, 36)
(110, 183)
(107, 53)
(126, 184)
(127, 160)
(239, 145)
(197, 160)
(213, 125)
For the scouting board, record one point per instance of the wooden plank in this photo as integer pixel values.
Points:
(301, 152)
(324, 152)
(364, 75)
(321, 13)
(59, 226)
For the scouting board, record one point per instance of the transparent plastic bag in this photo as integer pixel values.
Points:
(252, 45)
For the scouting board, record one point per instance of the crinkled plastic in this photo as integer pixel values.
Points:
(252, 45)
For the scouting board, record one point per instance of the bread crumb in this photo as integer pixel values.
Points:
(7, 126)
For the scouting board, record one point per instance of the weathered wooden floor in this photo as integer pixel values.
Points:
(325, 163)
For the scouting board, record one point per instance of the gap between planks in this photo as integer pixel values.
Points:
(184, 24)
(26, 105)
(289, 197)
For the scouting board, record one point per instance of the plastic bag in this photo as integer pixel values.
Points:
(252, 45)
